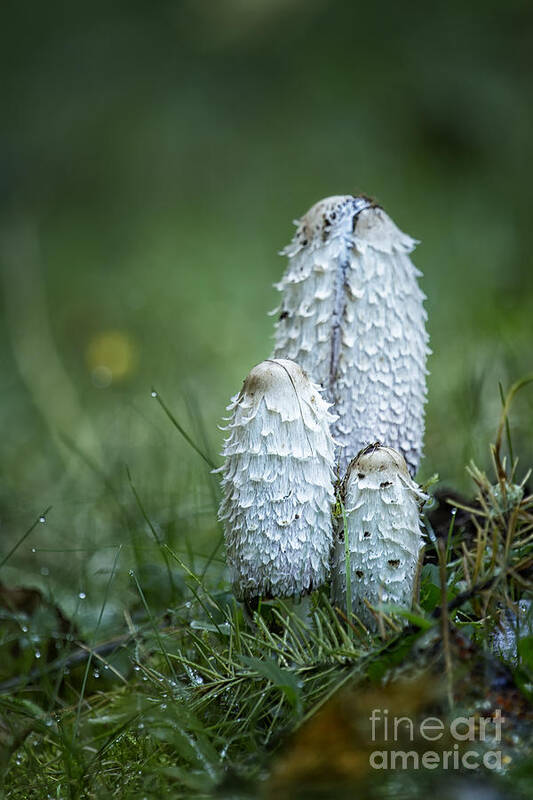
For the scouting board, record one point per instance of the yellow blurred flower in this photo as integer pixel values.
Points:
(111, 356)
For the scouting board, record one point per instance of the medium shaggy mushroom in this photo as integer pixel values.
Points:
(277, 484)
(352, 315)
(381, 521)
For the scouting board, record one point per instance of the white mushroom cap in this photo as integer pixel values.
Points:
(381, 504)
(326, 217)
(376, 459)
(344, 214)
(352, 315)
(277, 483)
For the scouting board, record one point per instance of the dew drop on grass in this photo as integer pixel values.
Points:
(153, 393)
(82, 595)
(96, 674)
(163, 706)
(37, 654)
(33, 550)
(45, 571)
(42, 519)
(136, 668)
(24, 628)
(140, 726)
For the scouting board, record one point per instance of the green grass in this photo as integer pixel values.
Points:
(161, 687)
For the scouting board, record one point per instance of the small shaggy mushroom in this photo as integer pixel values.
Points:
(277, 484)
(384, 538)
(352, 315)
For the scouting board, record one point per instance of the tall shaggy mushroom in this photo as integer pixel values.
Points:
(277, 484)
(352, 315)
(381, 530)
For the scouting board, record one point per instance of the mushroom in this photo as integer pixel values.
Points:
(277, 482)
(381, 520)
(352, 315)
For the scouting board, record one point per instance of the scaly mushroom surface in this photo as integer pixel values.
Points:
(277, 482)
(382, 524)
(352, 316)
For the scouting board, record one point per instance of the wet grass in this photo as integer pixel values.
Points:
(152, 683)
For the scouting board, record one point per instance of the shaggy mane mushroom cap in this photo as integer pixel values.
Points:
(277, 483)
(352, 315)
(383, 530)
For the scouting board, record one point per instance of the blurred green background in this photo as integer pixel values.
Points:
(152, 158)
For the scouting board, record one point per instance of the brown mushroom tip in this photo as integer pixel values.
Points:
(322, 215)
(377, 458)
(272, 373)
